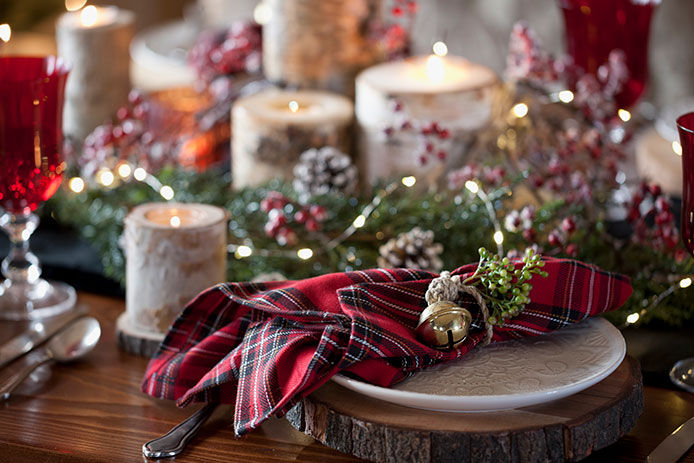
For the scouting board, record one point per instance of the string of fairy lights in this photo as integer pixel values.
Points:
(125, 171)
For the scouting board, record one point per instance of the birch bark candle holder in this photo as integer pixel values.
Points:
(448, 90)
(272, 128)
(320, 44)
(95, 42)
(173, 252)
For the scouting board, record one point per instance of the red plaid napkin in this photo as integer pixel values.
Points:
(263, 346)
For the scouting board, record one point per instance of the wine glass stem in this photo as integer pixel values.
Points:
(20, 266)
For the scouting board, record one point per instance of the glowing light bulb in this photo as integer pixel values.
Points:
(166, 192)
(293, 106)
(105, 177)
(685, 282)
(633, 318)
(124, 170)
(520, 110)
(566, 96)
(262, 13)
(409, 181)
(304, 253)
(440, 49)
(140, 174)
(5, 32)
(360, 221)
(624, 115)
(243, 251)
(498, 237)
(472, 186)
(76, 184)
(88, 16)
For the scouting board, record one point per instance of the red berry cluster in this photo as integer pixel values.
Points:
(526, 59)
(490, 176)
(237, 49)
(650, 214)
(282, 225)
(122, 139)
(594, 94)
(431, 135)
(522, 221)
(402, 8)
(560, 236)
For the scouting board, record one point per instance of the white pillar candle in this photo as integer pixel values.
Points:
(173, 252)
(448, 90)
(272, 128)
(319, 44)
(95, 42)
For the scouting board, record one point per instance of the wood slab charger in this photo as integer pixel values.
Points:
(568, 429)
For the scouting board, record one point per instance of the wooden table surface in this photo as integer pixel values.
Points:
(93, 410)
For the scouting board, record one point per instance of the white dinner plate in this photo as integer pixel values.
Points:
(511, 374)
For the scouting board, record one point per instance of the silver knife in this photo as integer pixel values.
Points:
(675, 445)
(38, 331)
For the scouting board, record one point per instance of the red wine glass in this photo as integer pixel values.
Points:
(596, 27)
(682, 373)
(31, 166)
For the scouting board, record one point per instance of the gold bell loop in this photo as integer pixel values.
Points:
(443, 325)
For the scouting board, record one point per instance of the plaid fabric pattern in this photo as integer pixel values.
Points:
(262, 346)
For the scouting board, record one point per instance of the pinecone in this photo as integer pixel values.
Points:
(415, 249)
(325, 170)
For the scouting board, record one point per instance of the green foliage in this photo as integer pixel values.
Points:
(505, 287)
(459, 219)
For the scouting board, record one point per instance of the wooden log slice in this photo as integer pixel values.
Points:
(568, 429)
(135, 340)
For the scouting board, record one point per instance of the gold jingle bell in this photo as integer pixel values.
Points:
(443, 325)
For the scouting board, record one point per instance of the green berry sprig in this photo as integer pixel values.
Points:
(505, 287)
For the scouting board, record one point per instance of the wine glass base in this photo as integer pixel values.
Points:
(682, 374)
(42, 299)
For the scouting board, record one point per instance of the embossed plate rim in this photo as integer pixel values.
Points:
(495, 402)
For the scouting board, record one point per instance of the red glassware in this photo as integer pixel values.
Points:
(682, 372)
(685, 126)
(31, 107)
(31, 92)
(596, 27)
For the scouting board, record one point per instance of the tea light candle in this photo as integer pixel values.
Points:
(448, 90)
(95, 41)
(173, 252)
(272, 128)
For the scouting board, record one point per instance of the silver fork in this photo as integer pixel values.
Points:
(173, 442)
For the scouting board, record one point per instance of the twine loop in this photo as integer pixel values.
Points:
(447, 287)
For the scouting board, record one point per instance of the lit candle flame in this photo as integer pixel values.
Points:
(5, 32)
(175, 221)
(74, 5)
(293, 106)
(89, 15)
(435, 68)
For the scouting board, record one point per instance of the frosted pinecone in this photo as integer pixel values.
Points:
(415, 249)
(325, 170)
